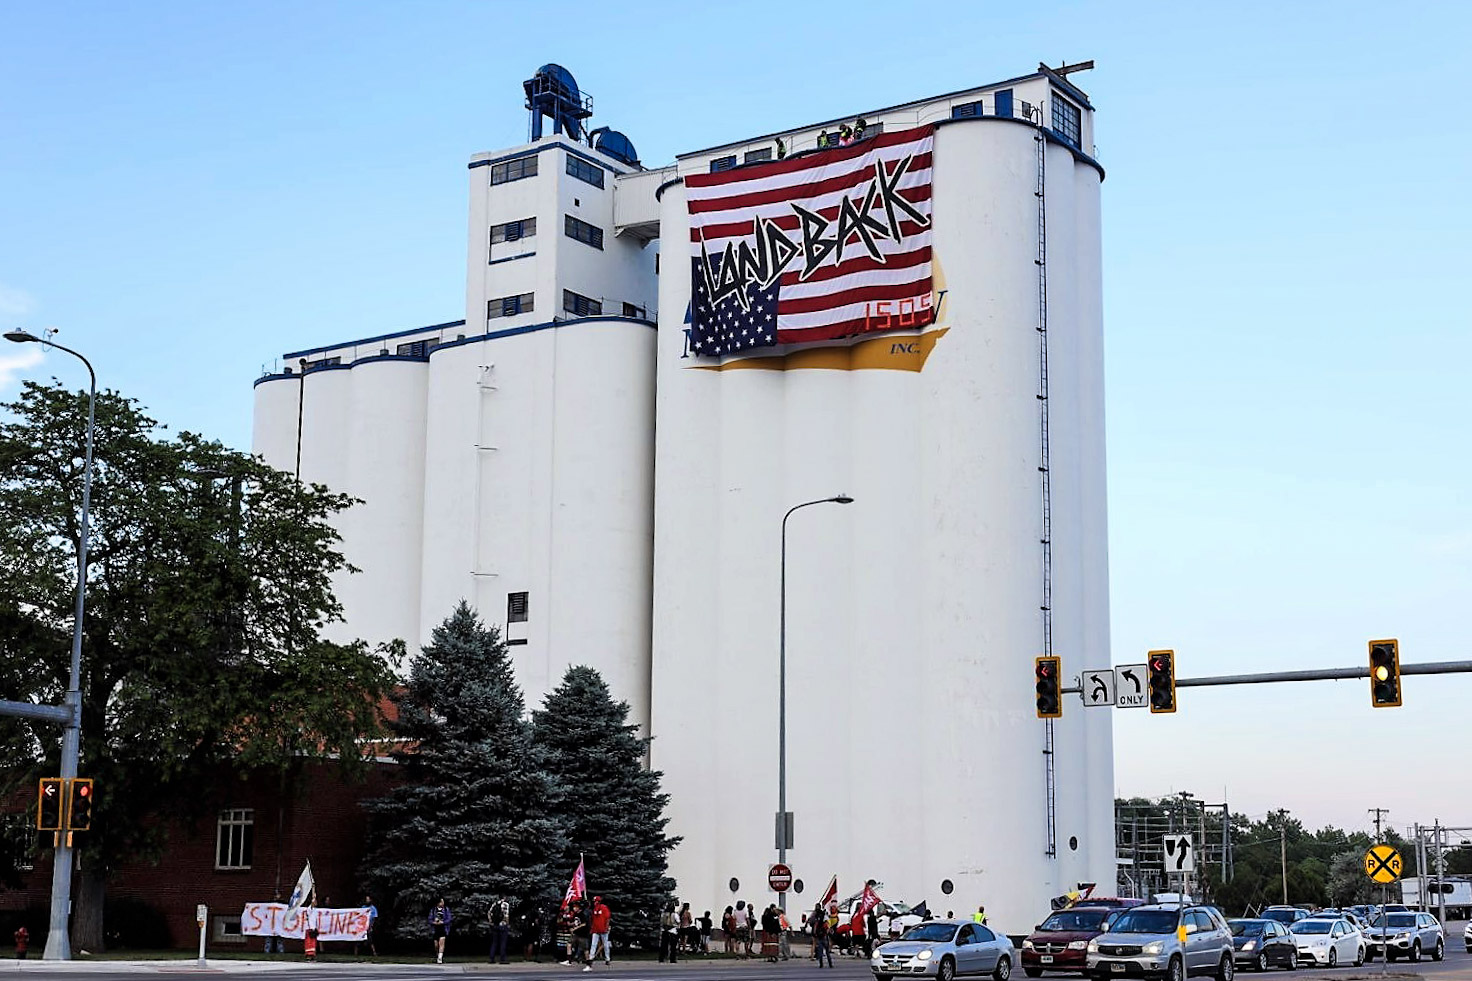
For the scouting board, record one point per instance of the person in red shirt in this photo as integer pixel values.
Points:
(22, 942)
(600, 919)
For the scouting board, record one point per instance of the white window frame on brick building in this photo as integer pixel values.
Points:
(235, 838)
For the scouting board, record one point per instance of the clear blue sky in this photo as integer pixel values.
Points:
(190, 189)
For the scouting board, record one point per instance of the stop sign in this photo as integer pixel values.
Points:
(779, 877)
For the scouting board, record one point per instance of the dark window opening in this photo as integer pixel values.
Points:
(579, 305)
(584, 171)
(582, 231)
(722, 163)
(510, 306)
(632, 311)
(514, 170)
(756, 156)
(967, 110)
(1067, 121)
(513, 231)
(516, 604)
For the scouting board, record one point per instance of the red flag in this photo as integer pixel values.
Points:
(578, 887)
(867, 901)
(830, 895)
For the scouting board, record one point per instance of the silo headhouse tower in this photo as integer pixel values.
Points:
(612, 456)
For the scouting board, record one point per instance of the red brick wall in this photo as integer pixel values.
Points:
(322, 821)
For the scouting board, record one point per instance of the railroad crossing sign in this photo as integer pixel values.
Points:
(1129, 686)
(1099, 687)
(779, 877)
(1383, 864)
(1179, 855)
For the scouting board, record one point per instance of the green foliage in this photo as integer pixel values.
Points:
(209, 581)
(612, 805)
(473, 815)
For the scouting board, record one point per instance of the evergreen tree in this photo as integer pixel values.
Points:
(612, 806)
(473, 816)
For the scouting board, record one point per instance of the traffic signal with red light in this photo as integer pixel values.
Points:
(49, 804)
(1160, 669)
(1384, 673)
(1050, 697)
(79, 813)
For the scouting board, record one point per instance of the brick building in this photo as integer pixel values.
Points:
(252, 846)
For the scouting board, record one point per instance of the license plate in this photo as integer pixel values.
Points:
(1117, 968)
(1046, 958)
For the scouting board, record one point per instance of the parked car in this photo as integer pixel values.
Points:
(1262, 944)
(1285, 914)
(1407, 935)
(1328, 942)
(1467, 937)
(1114, 902)
(1146, 941)
(1060, 943)
(945, 949)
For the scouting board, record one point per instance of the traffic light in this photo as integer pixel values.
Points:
(48, 804)
(79, 814)
(1384, 673)
(1160, 667)
(1050, 698)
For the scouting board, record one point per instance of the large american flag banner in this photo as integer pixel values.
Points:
(825, 245)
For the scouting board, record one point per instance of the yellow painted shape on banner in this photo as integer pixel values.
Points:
(894, 352)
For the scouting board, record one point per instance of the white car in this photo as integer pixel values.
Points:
(1328, 942)
(1467, 937)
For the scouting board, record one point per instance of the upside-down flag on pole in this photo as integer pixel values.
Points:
(578, 887)
(305, 887)
(868, 899)
(821, 245)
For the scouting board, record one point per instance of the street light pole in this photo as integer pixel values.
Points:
(58, 937)
(783, 825)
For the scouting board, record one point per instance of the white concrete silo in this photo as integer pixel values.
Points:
(914, 754)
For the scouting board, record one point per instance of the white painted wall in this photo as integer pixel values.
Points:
(914, 754)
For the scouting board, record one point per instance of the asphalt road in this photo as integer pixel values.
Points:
(1456, 967)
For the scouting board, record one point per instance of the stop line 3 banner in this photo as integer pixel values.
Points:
(274, 920)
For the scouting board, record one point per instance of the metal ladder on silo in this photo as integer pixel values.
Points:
(1046, 482)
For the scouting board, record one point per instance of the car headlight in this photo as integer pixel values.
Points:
(1250, 945)
(1402, 936)
(1028, 945)
(1093, 946)
(925, 954)
(1077, 944)
(1153, 948)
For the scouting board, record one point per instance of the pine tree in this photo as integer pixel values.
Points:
(473, 816)
(612, 806)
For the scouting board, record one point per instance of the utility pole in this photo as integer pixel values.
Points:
(1440, 874)
(1379, 813)
(1283, 850)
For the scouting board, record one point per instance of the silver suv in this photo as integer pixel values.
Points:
(1409, 935)
(1171, 942)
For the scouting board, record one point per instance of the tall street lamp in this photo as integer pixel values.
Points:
(784, 820)
(58, 939)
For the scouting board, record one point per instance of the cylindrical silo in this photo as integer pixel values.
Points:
(914, 755)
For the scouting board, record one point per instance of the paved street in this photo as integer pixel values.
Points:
(1456, 967)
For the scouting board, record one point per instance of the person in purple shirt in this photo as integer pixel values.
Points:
(439, 924)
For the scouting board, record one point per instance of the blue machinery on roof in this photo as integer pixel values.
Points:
(553, 92)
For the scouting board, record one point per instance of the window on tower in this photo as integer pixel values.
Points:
(513, 231)
(514, 170)
(583, 232)
(579, 305)
(1067, 120)
(584, 171)
(510, 306)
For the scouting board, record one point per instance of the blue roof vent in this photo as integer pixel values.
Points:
(553, 92)
(614, 144)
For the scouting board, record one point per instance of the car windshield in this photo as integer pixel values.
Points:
(1245, 928)
(1145, 921)
(1312, 926)
(1398, 920)
(931, 933)
(898, 909)
(1076, 919)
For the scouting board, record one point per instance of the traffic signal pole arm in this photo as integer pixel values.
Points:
(1315, 674)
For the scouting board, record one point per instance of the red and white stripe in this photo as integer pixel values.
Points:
(835, 300)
